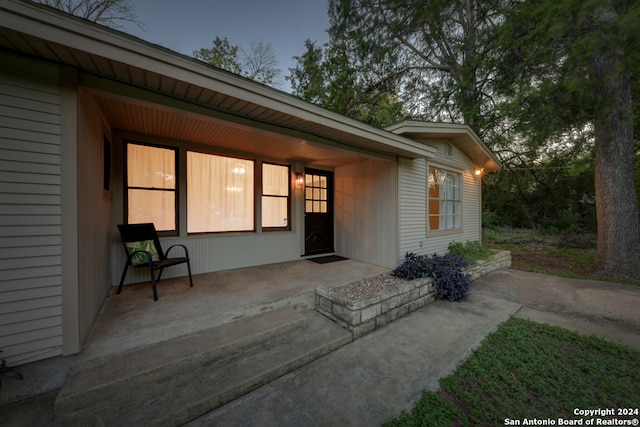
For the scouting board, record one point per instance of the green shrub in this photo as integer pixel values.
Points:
(471, 251)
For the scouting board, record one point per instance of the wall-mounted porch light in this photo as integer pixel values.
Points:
(299, 180)
(478, 171)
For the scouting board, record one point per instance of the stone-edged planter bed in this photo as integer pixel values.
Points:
(366, 305)
(363, 312)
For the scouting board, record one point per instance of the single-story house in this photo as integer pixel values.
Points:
(99, 128)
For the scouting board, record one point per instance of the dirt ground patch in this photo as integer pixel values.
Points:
(550, 259)
(564, 254)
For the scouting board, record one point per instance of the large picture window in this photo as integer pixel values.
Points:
(151, 186)
(220, 194)
(444, 205)
(275, 196)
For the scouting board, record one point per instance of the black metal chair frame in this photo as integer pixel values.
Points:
(131, 233)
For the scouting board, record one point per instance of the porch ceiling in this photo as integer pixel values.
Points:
(142, 118)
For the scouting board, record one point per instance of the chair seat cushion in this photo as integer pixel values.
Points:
(140, 258)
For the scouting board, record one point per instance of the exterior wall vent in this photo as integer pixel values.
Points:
(448, 150)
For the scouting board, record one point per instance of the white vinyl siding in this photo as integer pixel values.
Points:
(30, 212)
(412, 193)
(414, 235)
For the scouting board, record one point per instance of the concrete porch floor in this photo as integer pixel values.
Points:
(132, 318)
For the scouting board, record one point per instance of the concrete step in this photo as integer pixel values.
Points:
(172, 382)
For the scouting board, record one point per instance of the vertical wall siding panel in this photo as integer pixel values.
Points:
(30, 270)
(94, 217)
(412, 193)
(366, 206)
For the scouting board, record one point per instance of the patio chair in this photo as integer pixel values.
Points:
(143, 249)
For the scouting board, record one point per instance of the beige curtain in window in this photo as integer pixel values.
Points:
(275, 190)
(152, 170)
(219, 193)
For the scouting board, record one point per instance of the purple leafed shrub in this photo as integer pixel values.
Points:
(447, 271)
(413, 267)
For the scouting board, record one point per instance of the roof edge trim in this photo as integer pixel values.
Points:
(444, 130)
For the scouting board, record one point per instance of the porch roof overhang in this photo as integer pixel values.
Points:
(462, 136)
(144, 88)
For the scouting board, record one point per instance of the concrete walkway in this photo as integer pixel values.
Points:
(371, 380)
(590, 307)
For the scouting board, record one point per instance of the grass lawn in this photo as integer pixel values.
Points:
(528, 371)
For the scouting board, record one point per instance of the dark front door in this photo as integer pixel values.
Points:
(318, 212)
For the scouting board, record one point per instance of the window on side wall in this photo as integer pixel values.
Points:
(220, 193)
(151, 185)
(275, 196)
(444, 200)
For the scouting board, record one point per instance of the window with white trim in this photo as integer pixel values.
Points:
(444, 206)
